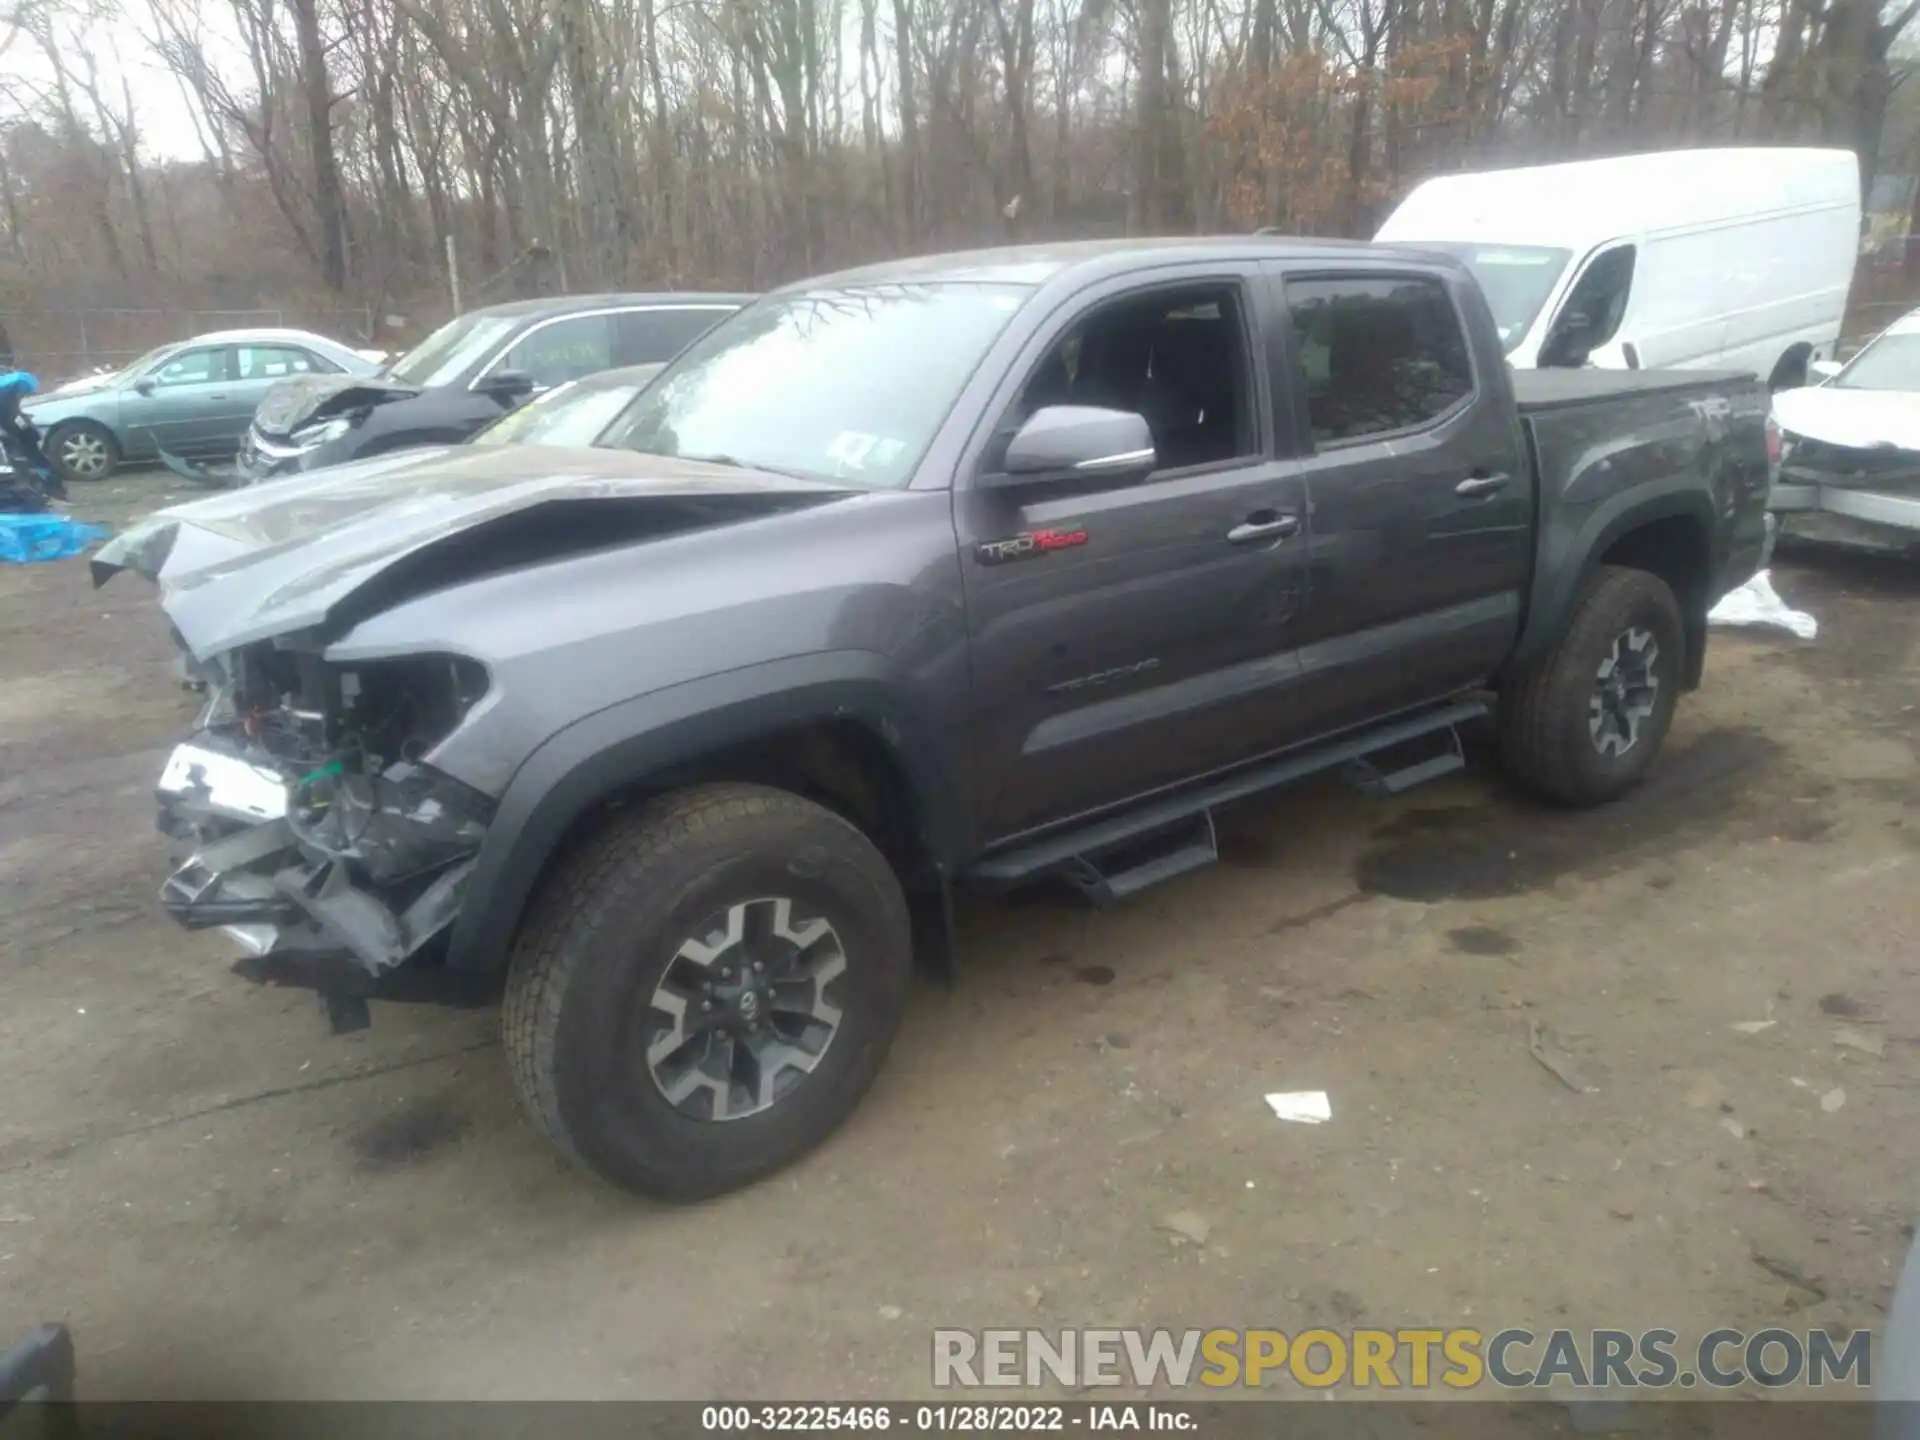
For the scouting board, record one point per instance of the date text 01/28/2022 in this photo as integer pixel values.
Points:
(936, 1419)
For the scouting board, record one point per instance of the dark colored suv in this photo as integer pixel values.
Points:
(467, 374)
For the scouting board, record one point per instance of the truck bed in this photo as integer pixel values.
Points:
(1539, 390)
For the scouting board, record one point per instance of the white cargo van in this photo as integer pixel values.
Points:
(1735, 258)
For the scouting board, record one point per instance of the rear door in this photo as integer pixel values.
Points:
(255, 369)
(1421, 496)
(1153, 639)
(655, 335)
(181, 406)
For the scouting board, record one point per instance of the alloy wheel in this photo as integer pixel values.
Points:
(742, 1013)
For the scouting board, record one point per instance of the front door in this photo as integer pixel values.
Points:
(182, 405)
(1422, 501)
(1133, 634)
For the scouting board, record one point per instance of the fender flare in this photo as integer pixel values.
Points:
(1557, 584)
(652, 734)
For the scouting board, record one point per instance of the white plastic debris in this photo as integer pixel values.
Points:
(1308, 1107)
(1758, 603)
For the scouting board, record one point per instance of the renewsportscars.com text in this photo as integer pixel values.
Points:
(1418, 1359)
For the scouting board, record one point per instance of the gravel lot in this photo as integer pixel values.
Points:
(222, 1199)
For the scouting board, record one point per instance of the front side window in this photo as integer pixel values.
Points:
(1591, 314)
(562, 350)
(1890, 363)
(837, 384)
(192, 367)
(1380, 354)
(1177, 358)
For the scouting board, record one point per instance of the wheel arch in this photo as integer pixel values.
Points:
(1670, 536)
(1791, 368)
(834, 728)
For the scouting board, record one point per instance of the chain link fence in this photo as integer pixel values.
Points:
(58, 345)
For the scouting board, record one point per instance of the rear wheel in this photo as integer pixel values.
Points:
(705, 991)
(1584, 725)
(83, 450)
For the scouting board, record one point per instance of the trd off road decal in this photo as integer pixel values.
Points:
(1025, 547)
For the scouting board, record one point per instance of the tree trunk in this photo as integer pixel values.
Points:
(316, 92)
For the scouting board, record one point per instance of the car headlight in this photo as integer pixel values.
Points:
(310, 437)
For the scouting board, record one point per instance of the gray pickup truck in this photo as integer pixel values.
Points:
(955, 572)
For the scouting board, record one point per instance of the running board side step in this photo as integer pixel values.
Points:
(1110, 859)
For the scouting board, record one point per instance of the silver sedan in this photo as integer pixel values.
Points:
(193, 398)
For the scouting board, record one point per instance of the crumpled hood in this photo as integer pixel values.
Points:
(302, 399)
(269, 560)
(1862, 419)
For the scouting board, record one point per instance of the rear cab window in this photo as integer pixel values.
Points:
(1377, 355)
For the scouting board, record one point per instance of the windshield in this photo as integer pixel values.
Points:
(570, 415)
(841, 384)
(439, 359)
(1890, 363)
(1516, 279)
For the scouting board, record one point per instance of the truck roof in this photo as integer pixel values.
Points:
(1583, 203)
(1039, 263)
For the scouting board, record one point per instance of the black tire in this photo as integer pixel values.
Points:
(68, 441)
(606, 927)
(1547, 739)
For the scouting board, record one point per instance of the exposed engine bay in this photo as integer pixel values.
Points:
(312, 827)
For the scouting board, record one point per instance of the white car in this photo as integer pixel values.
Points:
(1850, 446)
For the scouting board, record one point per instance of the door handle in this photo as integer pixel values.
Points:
(1264, 525)
(1480, 483)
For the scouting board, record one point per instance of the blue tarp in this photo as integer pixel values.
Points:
(26, 538)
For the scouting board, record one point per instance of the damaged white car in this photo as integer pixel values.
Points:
(1850, 447)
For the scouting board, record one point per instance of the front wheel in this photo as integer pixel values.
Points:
(1584, 724)
(82, 450)
(706, 989)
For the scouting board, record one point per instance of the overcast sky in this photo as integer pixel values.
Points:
(166, 124)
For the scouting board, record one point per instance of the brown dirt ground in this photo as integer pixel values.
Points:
(222, 1200)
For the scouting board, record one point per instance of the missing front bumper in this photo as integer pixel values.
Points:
(305, 916)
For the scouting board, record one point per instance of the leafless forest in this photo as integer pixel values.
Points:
(610, 143)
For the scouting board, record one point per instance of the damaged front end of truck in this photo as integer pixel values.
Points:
(329, 804)
(311, 830)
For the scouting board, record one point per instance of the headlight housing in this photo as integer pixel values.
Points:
(311, 437)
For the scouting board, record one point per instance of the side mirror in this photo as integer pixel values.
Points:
(143, 387)
(1570, 343)
(507, 386)
(1060, 442)
(1821, 371)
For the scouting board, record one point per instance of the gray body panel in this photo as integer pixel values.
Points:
(1014, 699)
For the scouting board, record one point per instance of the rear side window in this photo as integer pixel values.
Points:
(652, 337)
(1380, 354)
(273, 362)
